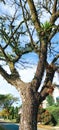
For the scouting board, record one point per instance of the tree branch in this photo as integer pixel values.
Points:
(10, 38)
(54, 6)
(55, 59)
(56, 29)
(4, 74)
(32, 43)
(21, 52)
(10, 78)
(46, 8)
(47, 86)
(40, 67)
(34, 16)
(54, 17)
(55, 13)
(6, 57)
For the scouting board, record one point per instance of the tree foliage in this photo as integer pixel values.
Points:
(7, 108)
(7, 101)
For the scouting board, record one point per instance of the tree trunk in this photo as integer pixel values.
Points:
(29, 112)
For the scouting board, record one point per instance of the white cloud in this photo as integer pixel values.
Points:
(27, 74)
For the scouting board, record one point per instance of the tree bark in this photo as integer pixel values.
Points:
(29, 111)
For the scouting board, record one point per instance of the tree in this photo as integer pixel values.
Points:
(7, 100)
(22, 32)
(6, 104)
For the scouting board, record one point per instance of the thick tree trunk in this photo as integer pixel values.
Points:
(29, 112)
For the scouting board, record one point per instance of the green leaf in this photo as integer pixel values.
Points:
(47, 25)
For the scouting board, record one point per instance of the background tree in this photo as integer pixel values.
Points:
(24, 31)
(6, 104)
(7, 100)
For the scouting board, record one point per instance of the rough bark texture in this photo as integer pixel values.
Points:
(29, 111)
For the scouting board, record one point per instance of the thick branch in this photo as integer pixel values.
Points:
(34, 15)
(54, 17)
(9, 77)
(40, 68)
(54, 6)
(4, 74)
(48, 87)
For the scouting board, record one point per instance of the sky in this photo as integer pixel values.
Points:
(25, 74)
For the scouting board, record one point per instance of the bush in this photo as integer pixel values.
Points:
(45, 117)
(50, 100)
(54, 110)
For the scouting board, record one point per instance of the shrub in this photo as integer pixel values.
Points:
(54, 110)
(45, 117)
